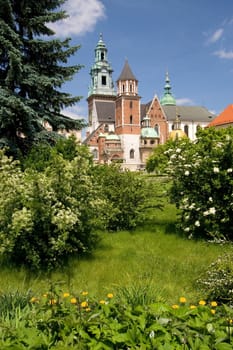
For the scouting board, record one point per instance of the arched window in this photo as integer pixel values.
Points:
(131, 119)
(95, 153)
(106, 128)
(131, 104)
(173, 126)
(123, 88)
(102, 56)
(157, 128)
(131, 154)
(186, 130)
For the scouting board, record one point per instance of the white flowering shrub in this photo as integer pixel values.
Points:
(217, 282)
(48, 215)
(202, 187)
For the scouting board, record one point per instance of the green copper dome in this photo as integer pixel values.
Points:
(149, 133)
(167, 98)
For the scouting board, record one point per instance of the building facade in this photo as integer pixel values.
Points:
(120, 127)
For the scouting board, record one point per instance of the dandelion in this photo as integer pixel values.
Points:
(175, 306)
(213, 311)
(102, 302)
(34, 300)
(52, 301)
(110, 295)
(73, 301)
(84, 304)
(192, 307)
(88, 309)
(213, 303)
(84, 293)
(183, 300)
(202, 302)
(66, 295)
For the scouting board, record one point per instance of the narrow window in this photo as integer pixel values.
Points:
(123, 88)
(131, 154)
(156, 128)
(186, 130)
(104, 81)
(102, 56)
(131, 119)
(131, 104)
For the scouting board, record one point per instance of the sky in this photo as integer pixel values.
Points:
(191, 39)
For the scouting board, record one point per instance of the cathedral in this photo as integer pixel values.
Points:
(122, 129)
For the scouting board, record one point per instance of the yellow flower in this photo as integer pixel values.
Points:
(73, 301)
(110, 295)
(213, 303)
(66, 295)
(102, 302)
(88, 309)
(175, 306)
(84, 293)
(52, 301)
(213, 311)
(202, 302)
(34, 300)
(230, 321)
(84, 304)
(193, 307)
(183, 300)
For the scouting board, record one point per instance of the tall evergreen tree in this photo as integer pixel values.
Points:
(33, 68)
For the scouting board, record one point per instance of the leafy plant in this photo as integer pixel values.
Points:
(203, 184)
(217, 281)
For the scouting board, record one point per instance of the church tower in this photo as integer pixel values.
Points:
(127, 122)
(101, 94)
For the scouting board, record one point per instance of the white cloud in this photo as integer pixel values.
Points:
(216, 36)
(74, 112)
(83, 16)
(224, 54)
(184, 101)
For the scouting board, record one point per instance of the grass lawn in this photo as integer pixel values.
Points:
(154, 257)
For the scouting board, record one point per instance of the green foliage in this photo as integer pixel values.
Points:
(158, 160)
(203, 184)
(217, 281)
(76, 321)
(47, 216)
(126, 196)
(33, 69)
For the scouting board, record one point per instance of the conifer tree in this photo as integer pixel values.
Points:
(33, 68)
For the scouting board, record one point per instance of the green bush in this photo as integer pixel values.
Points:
(203, 184)
(126, 196)
(217, 282)
(47, 216)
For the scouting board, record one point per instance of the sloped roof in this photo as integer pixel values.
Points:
(105, 111)
(127, 73)
(226, 117)
(188, 113)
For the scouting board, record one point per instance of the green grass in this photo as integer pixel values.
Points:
(155, 257)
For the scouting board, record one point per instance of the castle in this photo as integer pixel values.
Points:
(121, 128)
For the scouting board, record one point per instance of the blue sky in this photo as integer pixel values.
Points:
(192, 39)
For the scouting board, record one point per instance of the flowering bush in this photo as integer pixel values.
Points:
(48, 215)
(217, 281)
(202, 187)
(59, 320)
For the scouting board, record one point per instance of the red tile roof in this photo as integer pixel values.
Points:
(226, 117)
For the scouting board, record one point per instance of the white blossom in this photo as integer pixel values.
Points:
(229, 170)
(197, 223)
(216, 170)
(186, 173)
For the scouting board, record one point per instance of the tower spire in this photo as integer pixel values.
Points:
(167, 99)
(101, 72)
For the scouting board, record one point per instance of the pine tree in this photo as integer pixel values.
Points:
(33, 68)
